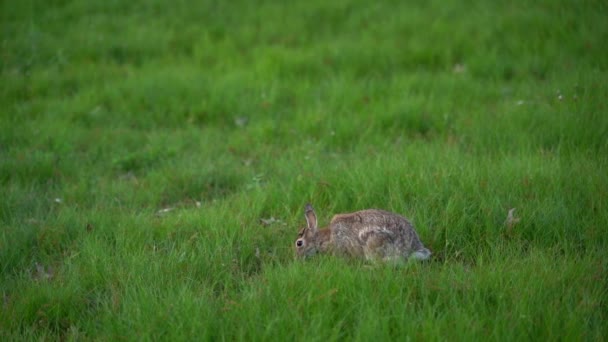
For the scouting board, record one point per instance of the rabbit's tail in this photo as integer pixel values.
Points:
(421, 254)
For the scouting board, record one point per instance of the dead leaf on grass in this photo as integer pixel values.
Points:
(511, 220)
(459, 68)
(271, 220)
(164, 211)
(43, 273)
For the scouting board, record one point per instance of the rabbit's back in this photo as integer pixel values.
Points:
(374, 233)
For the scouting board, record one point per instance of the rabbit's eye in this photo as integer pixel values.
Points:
(299, 243)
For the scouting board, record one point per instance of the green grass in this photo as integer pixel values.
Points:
(142, 142)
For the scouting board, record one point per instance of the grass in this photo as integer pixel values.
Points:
(142, 143)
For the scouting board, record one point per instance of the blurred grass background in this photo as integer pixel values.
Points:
(155, 158)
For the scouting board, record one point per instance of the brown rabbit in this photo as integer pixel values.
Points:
(373, 234)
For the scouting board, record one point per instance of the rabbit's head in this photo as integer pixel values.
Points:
(310, 239)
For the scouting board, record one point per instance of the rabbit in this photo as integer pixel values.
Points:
(371, 234)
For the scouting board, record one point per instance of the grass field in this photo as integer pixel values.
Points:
(156, 157)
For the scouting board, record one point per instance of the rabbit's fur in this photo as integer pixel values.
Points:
(372, 234)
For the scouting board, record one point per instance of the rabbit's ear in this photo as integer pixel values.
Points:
(311, 218)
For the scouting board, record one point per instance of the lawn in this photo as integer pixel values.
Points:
(156, 158)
